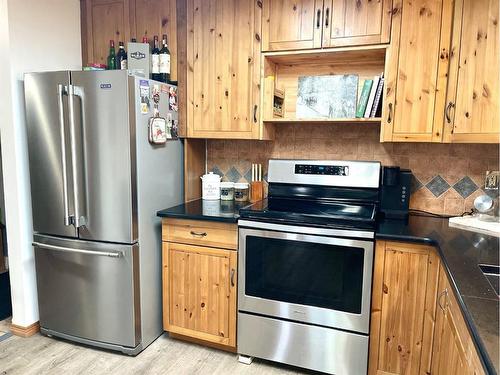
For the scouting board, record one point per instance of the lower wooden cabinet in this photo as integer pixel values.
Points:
(403, 308)
(417, 326)
(454, 352)
(199, 291)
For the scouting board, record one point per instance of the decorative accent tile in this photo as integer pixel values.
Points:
(233, 174)
(415, 184)
(248, 175)
(465, 187)
(437, 186)
(216, 170)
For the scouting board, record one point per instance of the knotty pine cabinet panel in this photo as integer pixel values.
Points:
(102, 21)
(416, 71)
(472, 112)
(291, 24)
(199, 293)
(157, 17)
(223, 69)
(454, 351)
(359, 22)
(403, 308)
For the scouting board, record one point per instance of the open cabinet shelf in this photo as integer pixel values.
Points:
(281, 71)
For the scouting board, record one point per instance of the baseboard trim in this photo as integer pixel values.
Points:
(25, 331)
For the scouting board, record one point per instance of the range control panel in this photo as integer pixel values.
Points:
(327, 170)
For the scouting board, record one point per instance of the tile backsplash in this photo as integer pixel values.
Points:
(447, 177)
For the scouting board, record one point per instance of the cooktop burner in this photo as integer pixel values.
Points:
(320, 193)
(315, 213)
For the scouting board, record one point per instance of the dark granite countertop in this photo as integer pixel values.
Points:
(223, 211)
(460, 250)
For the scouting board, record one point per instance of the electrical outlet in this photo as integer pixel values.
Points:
(491, 180)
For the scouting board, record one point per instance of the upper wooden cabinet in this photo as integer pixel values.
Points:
(442, 72)
(121, 20)
(472, 105)
(102, 21)
(157, 17)
(305, 24)
(291, 24)
(223, 69)
(416, 62)
(350, 23)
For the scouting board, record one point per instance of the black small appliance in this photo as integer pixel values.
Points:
(395, 192)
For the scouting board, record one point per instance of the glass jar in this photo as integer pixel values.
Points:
(241, 192)
(227, 191)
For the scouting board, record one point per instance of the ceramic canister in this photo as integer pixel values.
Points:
(210, 186)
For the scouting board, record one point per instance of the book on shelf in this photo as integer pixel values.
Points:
(371, 97)
(377, 103)
(363, 98)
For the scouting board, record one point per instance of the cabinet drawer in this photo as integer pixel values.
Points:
(197, 232)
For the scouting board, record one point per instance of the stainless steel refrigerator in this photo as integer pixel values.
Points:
(96, 184)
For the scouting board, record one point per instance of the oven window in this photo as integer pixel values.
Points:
(304, 273)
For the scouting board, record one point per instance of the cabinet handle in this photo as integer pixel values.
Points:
(447, 112)
(327, 16)
(255, 113)
(198, 234)
(389, 117)
(232, 276)
(441, 295)
(318, 18)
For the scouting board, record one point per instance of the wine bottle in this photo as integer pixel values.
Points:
(155, 60)
(111, 56)
(164, 61)
(121, 57)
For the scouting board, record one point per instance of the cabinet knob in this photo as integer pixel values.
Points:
(389, 116)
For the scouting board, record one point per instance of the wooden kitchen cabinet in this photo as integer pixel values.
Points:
(102, 21)
(200, 281)
(291, 24)
(454, 351)
(121, 20)
(473, 97)
(353, 23)
(223, 69)
(416, 71)
(306, 24)
(157, 17)
(403, 308)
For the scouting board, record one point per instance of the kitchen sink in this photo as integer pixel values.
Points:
(492, 273)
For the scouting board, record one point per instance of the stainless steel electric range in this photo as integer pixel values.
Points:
(305, 261)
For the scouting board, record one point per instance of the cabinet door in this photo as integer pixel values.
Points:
(200, 292)
(472, 112)
(403, 308)
(102, 21)
(291, 24)
(454, 351)
(157, 17)
(416, 71)
(223, 58)
(352, 23)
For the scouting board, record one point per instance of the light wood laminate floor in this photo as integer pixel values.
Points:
(43, 355)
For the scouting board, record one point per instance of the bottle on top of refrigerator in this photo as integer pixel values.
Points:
(155, 60)
(121, 57)
(164, 61)
(111, 56)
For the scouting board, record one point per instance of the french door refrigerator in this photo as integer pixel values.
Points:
(96, 184)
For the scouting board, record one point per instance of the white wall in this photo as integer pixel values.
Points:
(35, 35)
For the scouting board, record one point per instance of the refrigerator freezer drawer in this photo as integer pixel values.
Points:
(88, 290)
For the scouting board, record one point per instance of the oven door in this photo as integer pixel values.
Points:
(304, 277)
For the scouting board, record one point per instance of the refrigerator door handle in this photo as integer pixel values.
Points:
(61, 91)
(111, 254)
(76, 157)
